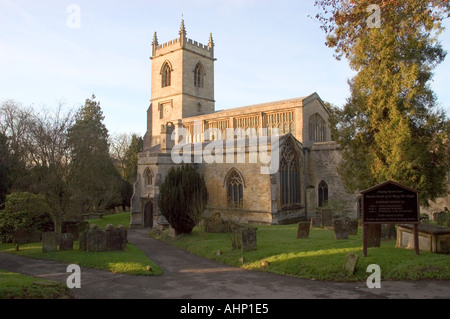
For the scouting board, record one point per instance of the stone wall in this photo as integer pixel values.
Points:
(324, 159)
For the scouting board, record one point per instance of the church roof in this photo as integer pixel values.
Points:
(271, 106)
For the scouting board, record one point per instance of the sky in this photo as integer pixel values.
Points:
(65, 51)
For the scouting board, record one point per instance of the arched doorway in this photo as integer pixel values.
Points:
(148, 215)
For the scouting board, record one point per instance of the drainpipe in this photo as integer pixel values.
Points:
(305, 178)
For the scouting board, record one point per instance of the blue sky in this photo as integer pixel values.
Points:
(266, 51)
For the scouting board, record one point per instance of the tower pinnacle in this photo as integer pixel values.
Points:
(182, 28)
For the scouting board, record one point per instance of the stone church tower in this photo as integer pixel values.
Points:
(182, 83)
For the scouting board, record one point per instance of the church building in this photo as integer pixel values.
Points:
(271, 163)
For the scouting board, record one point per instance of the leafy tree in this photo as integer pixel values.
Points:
(390, 127)
(24, 211)
(4, 155)
(96, 184)
(183, 197)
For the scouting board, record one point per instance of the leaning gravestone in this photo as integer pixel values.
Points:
(350, 263)
(49, 242)
(66, 241)
(340, 228)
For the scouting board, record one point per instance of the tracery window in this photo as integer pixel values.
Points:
(289, 177)
(166, 75)
(235, 189)
(323, 193)
(316, 128)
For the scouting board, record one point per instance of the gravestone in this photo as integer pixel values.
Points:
(350, 263)
(21, 236)
(114, 238)
(303, 229)
(373, 235)
(316, 222)
(66, 241)
(49, 242)
(70, 227)
(82, 240)
(248, 238)
(96, 240)
(352, 226)
(340, 228)
(215, 224)
(326, 217)
(124, 236)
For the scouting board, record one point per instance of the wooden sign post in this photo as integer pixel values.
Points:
(390, 203)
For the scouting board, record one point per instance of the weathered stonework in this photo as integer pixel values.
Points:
(302, 124)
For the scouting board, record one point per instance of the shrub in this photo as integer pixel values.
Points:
(443, 219)
(183, 197)
(24, 211)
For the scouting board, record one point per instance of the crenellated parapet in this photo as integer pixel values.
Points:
(183, 43)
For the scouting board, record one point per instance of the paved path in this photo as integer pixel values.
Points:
(191, 277)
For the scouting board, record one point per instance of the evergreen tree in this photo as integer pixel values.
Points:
(96, 184)
(390, 127)
(183, 197)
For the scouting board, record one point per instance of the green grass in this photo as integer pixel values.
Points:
(114, 219)
(17, 286)
(319, 257)
(132, 261)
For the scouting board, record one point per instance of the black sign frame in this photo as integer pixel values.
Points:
(390, 203)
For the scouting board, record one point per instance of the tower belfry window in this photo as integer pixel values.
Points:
(166, 75)
(198, 76)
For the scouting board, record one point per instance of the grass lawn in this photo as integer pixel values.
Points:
(114, 219)
(132, 261)
(319, 257)
(17, 286)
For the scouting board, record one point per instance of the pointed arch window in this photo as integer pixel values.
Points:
(235, 189)
(323, 193)
(198, 75)
(166, 75)
(148, 177)
(289, 177)
(316, 128)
